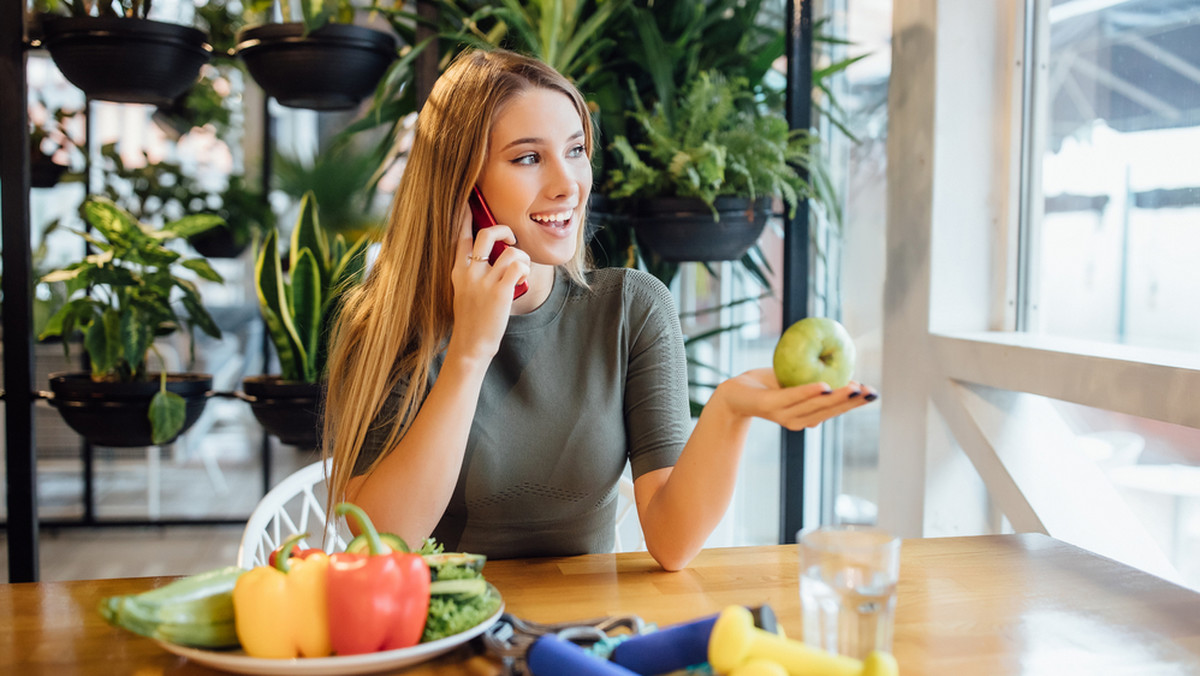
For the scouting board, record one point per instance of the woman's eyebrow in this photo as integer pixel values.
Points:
(537, 140)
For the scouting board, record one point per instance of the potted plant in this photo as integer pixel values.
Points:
(121, 299)
(340, 178)
(299, 307)
(162, 190)
(703, 177)
(113, 52)
(246, 214)
(575, 38)
(323, 62)
(52, 147)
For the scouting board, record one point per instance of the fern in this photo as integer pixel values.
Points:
(714, 140)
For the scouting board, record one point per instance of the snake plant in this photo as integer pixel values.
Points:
(299, 306)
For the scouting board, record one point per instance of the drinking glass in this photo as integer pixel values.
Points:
(848, 578)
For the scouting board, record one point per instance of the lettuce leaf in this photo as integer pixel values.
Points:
(449, 615)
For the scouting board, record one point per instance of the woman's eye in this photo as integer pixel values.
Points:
(529, 158)
(577, 151)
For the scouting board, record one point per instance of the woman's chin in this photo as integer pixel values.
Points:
(554, 256)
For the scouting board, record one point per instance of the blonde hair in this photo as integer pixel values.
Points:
(396, 323)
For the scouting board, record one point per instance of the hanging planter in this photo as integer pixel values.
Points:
(118, 414)
(44, 172)
(127, 60)
(290, 410)
(683, 229)
(220, 243)
(331, 68)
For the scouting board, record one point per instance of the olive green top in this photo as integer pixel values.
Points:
(590, 379)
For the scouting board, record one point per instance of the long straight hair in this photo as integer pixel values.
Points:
(396, 323)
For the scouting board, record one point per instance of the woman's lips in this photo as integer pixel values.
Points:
(556, 221)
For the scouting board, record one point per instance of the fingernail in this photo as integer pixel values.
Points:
(826, 391)
(854, 394)
(871, 397)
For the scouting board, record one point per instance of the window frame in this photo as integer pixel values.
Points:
(958, 378)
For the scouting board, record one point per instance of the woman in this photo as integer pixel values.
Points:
(501, 426)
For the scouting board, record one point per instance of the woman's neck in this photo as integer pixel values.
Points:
(541, 282)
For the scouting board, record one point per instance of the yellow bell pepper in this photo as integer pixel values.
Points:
(280, 611)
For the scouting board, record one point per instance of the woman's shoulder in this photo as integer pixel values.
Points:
(624, 278)
(637, 287)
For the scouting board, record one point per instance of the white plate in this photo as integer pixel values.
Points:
(238, 662)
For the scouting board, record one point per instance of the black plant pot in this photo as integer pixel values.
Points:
(290, 410)
(127, 60)
(117, 414)
(219, 243)
(331, 68)
(683, 229)
(44, 173)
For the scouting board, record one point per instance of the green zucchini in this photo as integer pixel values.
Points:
(193, 611)
(462, 589)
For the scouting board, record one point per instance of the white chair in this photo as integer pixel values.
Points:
(295, 505)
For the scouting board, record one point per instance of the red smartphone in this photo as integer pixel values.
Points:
(481, 216)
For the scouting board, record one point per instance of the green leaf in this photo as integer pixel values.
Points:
(307, 234)
(272, 301)
(350, 266)
(203, 268)
(571, 58)
(103, 343)
(110, 220)
(135, 335)
(198, 315)
(167, 413)
(54, 325)
(306, 309)
(194, 225)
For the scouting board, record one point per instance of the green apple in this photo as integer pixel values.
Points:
(814, 349)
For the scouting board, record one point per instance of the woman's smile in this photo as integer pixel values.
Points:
(559, 223)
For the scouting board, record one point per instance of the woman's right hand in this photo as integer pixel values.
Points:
(483, 293)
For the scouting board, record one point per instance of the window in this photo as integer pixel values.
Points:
(1116, 128)
(1034, 379)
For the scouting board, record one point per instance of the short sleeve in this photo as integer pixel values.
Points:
(657, 414)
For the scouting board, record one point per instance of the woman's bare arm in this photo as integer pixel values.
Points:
(680, 506)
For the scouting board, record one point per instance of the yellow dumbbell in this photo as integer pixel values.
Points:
(759, 668)
(736, 641)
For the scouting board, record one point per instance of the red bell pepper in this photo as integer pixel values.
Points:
(377, 601)
(297, 553)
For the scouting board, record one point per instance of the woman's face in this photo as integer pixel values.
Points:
(537, 175)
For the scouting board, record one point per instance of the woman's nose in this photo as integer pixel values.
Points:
(561, 180)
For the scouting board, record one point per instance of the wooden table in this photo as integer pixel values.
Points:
(972, 606)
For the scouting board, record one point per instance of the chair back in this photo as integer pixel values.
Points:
(295, 505)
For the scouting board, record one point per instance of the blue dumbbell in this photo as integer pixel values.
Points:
(552, 655)
(679, 646)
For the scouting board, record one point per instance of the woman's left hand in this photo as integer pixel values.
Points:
(757, 393)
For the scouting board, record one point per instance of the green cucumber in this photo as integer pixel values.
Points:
(461, 559)
(460, 588)
(393, 542)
